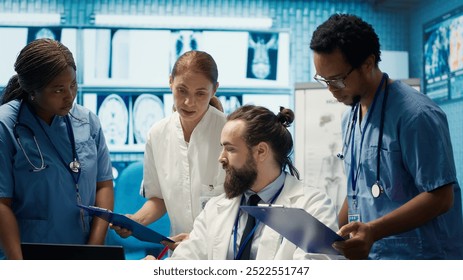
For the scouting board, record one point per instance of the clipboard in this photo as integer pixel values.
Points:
(298, 226)
(139, 231)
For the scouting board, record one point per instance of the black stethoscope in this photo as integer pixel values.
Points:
(376, 188)
(74, 167)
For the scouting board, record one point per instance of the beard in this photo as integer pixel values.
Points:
(237, 181)
(355, 100)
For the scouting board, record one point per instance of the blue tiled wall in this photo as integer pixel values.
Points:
(299, 16)
(454, 110)
(398, 30)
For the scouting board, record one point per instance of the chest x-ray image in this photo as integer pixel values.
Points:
(35, 33)
(183, 41)
(262, 56)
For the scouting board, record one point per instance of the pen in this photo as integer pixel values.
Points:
(163, 252)
(270, 205)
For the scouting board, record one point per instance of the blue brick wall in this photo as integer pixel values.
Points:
(299, 16)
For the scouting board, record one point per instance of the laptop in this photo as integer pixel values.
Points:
(47, 251)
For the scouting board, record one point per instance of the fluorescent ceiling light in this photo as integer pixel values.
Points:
(29, 19)
(179, 22)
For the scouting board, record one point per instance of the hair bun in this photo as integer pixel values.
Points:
(285, 116)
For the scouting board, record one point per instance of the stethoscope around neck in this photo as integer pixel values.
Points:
(35, 168)
(74, 166)
(376, 188)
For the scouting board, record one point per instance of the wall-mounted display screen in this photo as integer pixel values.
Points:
(443, 56)
(136, 57)
(123, 74)
(18, 37)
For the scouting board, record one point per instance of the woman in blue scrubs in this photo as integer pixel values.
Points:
(403, 197)
(53, 155)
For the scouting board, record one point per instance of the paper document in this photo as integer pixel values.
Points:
(298, 226)
(139, 231)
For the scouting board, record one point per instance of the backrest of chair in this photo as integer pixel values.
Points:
(127, 198)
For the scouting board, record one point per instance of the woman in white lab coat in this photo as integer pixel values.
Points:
(181, 170)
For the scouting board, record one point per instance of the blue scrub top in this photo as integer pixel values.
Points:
(416, 156)
(44, 202)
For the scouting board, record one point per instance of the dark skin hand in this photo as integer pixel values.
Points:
(416, 212)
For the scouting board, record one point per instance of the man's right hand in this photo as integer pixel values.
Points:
(358, 245)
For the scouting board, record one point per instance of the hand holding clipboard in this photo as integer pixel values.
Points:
(139, 231)
(298, 226)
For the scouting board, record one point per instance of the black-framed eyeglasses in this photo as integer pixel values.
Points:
(336, 83)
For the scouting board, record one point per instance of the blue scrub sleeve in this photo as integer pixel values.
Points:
(6, 163)
(104, 161)
(427, 149)
(104, 172)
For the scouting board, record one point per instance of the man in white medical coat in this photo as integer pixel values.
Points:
(256, 149)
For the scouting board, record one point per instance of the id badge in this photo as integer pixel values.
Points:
(354, 215)
(354, 218)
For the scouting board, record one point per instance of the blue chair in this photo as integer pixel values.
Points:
(127, 200)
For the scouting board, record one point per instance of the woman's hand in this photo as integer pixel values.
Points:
(178, 238)
(122, 232)
(149, 257)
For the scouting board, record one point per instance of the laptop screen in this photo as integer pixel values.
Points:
(45, 251)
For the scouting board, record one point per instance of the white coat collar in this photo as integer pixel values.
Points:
(202, 123)
(270, 240)
(228, 209)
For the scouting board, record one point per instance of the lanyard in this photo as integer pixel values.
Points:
(354, 173)
(235, 235)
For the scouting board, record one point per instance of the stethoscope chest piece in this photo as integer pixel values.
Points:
(376, 190)
(74, 166)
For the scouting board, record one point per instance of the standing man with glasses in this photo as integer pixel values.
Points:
(403, 197)
(256, 158)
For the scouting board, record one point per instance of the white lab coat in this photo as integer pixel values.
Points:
(213, 228)
(185, 175)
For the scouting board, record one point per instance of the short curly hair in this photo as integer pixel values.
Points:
(355, 38)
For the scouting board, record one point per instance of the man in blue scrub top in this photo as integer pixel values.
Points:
(403, 199)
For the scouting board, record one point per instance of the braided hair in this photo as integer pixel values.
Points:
(36, 66)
